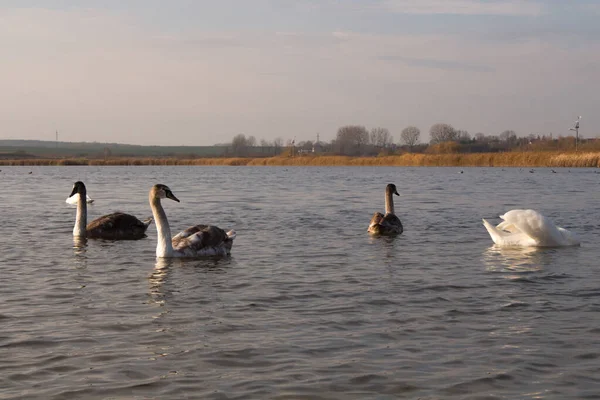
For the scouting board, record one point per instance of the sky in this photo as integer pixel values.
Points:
(199, 72)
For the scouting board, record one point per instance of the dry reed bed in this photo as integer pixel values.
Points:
(577, 160)
(508, 159)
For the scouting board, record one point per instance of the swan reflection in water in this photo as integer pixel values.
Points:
(164, 269)
(386, 245)
(158, 277)
(79, 263)
(80, 252)
(516, 259)
(79, 245)
(386, 251)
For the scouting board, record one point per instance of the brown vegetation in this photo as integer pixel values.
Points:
(506, 159)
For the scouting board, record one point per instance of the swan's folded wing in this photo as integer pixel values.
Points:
(536, 226)
(199, 237)
(495, 233)
(188, 232)
(117, 220)
(506, 238)
(377, 218)
(117, 226)
(507, 226)
(182, 239)
(391, 220)
(388, 224)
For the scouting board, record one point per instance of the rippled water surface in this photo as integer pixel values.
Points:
(308, 306)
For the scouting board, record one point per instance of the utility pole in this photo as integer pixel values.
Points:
(576, 129)
(57, 138)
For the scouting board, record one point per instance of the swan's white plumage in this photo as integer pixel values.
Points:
(75, 199)
(529, 228)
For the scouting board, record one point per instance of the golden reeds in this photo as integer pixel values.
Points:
(507, 159)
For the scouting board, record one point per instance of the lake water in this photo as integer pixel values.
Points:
(309, 306)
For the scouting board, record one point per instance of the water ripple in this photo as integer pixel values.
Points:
(308, 306)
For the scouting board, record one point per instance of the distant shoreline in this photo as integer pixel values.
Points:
(507, 159)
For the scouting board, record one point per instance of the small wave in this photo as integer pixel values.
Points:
(485, 384)
(587, 356)
(446, 288)
(514, 304)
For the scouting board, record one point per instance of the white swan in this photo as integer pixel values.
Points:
(529, 228)
(195, 241)
(75, 199)
(388, 224)
(115, 226)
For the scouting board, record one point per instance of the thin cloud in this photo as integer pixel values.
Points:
(465, 7)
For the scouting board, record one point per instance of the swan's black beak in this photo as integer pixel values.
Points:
(73, 191)
(396, 193)
(171, 196)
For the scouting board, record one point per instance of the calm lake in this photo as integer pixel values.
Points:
(308, 306)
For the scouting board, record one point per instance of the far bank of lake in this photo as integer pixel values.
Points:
(507, 159)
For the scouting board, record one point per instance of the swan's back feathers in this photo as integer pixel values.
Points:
(534, 225)
(508, 238)
(117, 226)
(529, 228)
(507, 226)
(376, 220)
(388, 224)
(203, 240)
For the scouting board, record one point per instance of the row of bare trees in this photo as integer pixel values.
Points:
(357, 140)
(243, 146)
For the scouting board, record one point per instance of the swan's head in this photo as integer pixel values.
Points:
(160, 191)
(391, 188)
(78, 187)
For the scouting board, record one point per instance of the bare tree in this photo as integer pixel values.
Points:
(463, 136)
(508, 136)
(410, 136)
(442, 133)
(250, 141)
(351, 140)
(381, 137)
(480, 137)
(239, 145)
(305, 146)
(278, 142)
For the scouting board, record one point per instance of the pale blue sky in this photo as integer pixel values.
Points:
(199, 72)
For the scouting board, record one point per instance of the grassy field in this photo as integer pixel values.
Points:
(508, 159)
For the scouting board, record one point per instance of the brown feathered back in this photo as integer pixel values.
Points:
(117, 226)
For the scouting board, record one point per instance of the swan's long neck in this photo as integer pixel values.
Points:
(164, 247)
(81, 218)
(389, 202)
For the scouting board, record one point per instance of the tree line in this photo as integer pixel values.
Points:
(357, 140)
